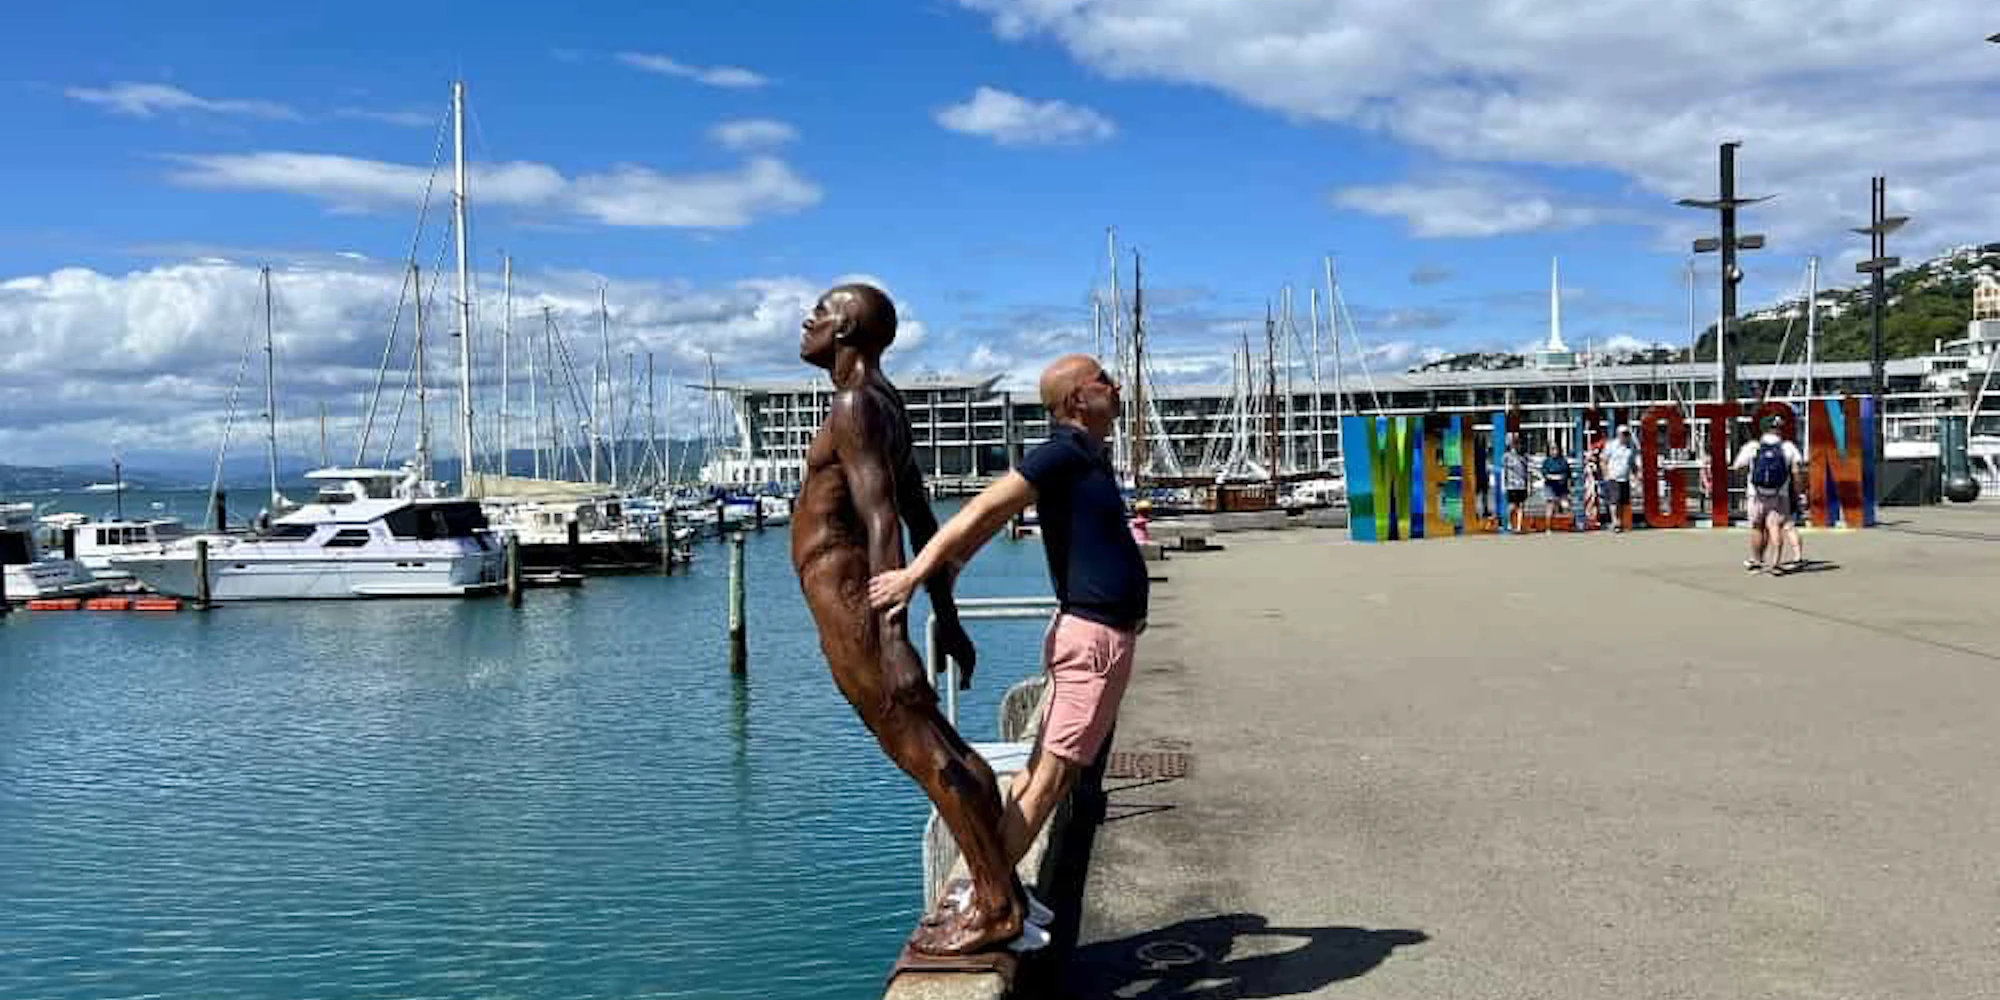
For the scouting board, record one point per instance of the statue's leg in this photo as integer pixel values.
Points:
(967, 797)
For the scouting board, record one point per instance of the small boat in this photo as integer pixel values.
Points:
(29, 574)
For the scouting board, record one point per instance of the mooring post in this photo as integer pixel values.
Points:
(3, 591)
(221, 510)
(201, 594)
(739, 656)
(721, 517)
(757, 511)
(575, 547)
(514, 569)
(667, 545)
(69, 543)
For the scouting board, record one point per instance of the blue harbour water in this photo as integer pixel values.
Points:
(455, 799)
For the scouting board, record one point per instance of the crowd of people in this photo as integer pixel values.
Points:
(1604, 488)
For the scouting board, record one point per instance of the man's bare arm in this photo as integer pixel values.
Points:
(973, 526)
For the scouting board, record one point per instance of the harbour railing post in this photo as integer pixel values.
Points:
(201, 594)
(513, 569)
(739, 656)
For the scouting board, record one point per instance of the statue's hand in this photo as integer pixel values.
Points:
(955, 643)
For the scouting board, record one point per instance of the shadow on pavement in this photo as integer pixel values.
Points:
(1236, 955)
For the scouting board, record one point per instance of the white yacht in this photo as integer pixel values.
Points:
(368, 533)
(28, 574)
(98, 542)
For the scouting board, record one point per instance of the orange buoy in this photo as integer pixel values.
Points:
(157, 604)
(55, 604)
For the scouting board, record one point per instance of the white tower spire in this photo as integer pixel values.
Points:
(1555, 308)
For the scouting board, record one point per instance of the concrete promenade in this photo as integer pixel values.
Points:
(1551, 767)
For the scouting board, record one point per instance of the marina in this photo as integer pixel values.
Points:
(445, 799)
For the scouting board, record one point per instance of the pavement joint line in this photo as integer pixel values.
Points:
(1835, 619)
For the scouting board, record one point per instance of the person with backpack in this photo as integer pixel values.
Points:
(1555, 486)
(1774, 465)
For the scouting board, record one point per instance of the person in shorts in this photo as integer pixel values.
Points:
(1555, 486)
(1774, 465)
(1514, 480)
(1096, 570)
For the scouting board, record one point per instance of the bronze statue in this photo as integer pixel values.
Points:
(861, 485)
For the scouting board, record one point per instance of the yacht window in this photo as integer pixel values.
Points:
(14, 548)
(290, 532)
(104, 536)
(348, 538)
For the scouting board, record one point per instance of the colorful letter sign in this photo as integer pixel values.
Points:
(1427, 476)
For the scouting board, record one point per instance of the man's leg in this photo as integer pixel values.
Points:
(1047, 780)
(1756, 560)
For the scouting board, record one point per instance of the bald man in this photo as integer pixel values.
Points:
(1096, 570)
(860, 484)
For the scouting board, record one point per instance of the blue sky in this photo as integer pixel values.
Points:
(718, 163)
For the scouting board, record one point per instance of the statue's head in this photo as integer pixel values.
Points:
(859, 317)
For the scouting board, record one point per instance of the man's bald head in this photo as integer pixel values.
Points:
(1061, 379)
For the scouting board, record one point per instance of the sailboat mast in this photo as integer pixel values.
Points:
(464, 288)
(1333, 335)
(555, 433)
(1812, 343)
(610, 412)
(506, 341)
(534, 409)
(423, 399)
(1319, 405)
(1271, 389)
(1138, 376)
(270, 392)
(652, 418)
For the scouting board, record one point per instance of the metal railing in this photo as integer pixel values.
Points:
(969, 609)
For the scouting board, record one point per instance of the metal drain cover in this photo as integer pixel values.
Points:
(1169, 954)
(1125, 764)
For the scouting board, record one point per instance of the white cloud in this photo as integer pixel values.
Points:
(148, 357)
(401, 119)
(625, 196)
(144, 100)
(753, 133)
(728, 77)
(1467, 203)
(1012, 120)
(1822, 92)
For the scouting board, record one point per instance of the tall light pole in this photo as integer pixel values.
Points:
(1726, 202)
(1880, 225)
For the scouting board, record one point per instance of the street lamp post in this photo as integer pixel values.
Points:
(1728, 243)
(1880, 225)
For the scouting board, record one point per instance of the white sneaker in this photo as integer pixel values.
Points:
(1032, 938)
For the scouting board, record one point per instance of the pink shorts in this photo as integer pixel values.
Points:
(1089, 665)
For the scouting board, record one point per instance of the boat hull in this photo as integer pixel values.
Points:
(251, 579)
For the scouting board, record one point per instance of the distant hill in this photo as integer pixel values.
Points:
(1926, 303)
(44, 478)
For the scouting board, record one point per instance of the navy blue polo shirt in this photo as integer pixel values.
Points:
(1095, 565)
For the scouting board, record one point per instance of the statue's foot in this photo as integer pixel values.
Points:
(960, 892)
(971, 928)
